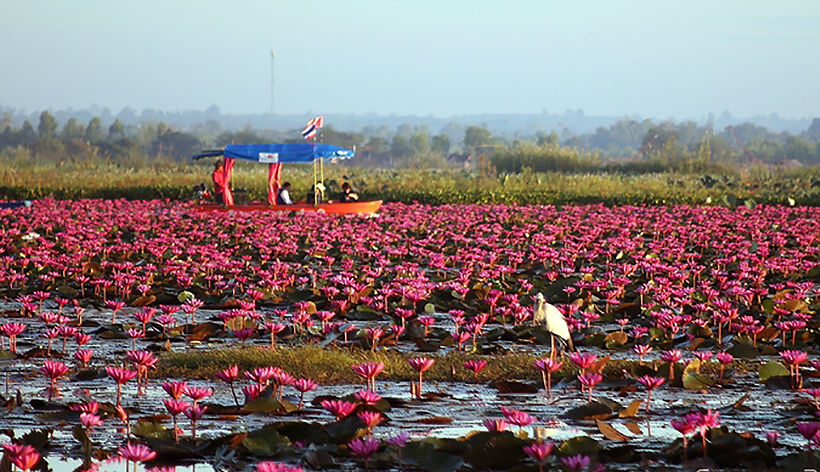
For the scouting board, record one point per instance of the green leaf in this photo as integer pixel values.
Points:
(184, 296)
(151, 429)
(429, 308)
(266, 442)
(579, 445)
(695, 381)
(772, 369)
(743, 350)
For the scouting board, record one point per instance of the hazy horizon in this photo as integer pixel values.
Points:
(654, 60)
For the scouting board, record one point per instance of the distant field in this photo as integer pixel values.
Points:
(176, 181)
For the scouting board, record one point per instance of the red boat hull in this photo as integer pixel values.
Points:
(353, 208)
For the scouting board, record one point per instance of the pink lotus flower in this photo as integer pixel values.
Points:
(548, 367)
(23, 456)
(476, 366)
(90, 420)
(369, 370)
(422, 365)
(229, 376)
(589, 381)
(53, 370)
(302, 386)
(576, 463)
(367, 397)
(12, 330)
(684, 426)
(642, 350)
(137, 453)
(651, 383)
(371, 418)
(252, 392)
(198, 393)
(539, 452)
(793, 359)
(704, 421)
(518, 418)
(583, 361)
(195, 413)
(724, 358)
(364, 448)
(175, 389)
(671, 357)
(339, 408)
(120, 376)
(495, 425)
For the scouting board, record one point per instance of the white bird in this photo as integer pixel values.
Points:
(554, 321)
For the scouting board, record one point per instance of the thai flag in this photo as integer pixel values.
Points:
(313, 125)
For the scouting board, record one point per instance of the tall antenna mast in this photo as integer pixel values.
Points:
(272, 63)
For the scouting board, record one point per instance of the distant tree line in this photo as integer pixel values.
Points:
(626, 144)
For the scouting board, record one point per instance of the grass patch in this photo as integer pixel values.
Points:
(334, 366)
(331, 366)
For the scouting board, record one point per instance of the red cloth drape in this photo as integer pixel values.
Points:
(274, 175)
(227, 196)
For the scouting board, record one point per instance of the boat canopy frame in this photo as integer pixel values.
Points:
(275, 154)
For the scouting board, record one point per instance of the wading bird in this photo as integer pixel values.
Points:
(554, 321)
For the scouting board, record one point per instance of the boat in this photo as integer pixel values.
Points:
(340, 208)
(276, 154)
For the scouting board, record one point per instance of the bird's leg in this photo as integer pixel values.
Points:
(552, 346)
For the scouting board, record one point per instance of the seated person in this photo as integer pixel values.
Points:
(317, 190)
(348, 194)
(283, 195)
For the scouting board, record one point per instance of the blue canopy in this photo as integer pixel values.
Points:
(280, 152)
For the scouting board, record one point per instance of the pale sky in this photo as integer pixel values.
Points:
(655, 58)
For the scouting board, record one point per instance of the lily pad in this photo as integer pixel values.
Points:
(601, 409)
(772, 369)
(266, 442)
(579, 445)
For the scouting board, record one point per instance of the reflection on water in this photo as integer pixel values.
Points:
(67, 464)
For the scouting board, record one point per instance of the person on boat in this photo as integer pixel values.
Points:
(316, 194)
(283, 195)
(218, 177)
(348, 194)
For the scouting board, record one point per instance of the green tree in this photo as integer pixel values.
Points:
(477, 136)
(48, 126)
(544, 139)
(400, 147)
(420, 143)
(378, 145)
(93, 132)
(27, 133)
(441, 144)
(796, 148)
(116, 130)
(72, 130)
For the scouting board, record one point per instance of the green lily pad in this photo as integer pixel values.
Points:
(185, 296)
(772, 369)
(695, 381)
(425, 456)
(266, 442)
(579, 445)
(151, 429)
(743, 350)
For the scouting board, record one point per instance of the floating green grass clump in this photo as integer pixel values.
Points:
(334, 366)
(330, 366)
